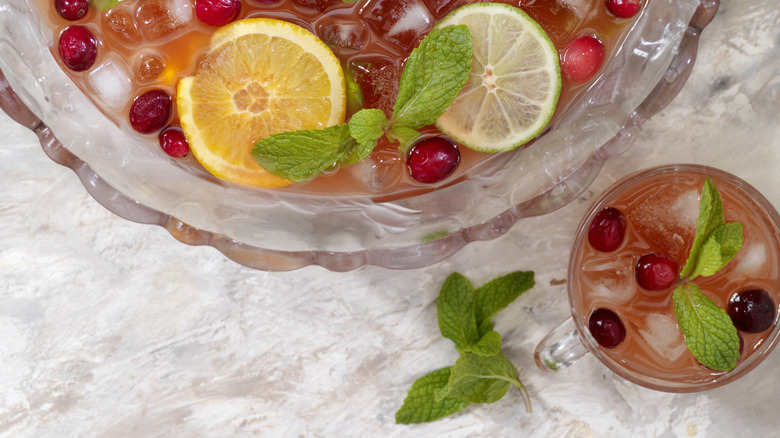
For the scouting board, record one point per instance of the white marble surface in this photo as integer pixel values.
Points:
(114, 329)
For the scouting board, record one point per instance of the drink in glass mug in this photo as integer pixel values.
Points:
(620, 289)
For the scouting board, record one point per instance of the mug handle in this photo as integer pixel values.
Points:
(560, 348)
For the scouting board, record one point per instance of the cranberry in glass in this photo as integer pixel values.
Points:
(217, 12)
(656, 271)
(151, 111)
(607, 229)
(173, 142)
(606, 328)
(582, 59)
(78, 48)
(433, 159)
(752, 310)
(71, 10)
(624, 8)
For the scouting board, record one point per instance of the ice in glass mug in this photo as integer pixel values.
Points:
(657, 210)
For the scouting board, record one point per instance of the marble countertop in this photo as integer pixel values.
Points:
(113, 329)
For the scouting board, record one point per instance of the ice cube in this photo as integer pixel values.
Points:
(378, 79)
(752, 259)
(401, 22)
(667, 219)
(440, 8)
(111, 82)
(377, 172)
(558, 17)
(159, 19)
(149, 67)
(661, 333)
(119, 24)
(609, 277)
(579, 7)
(341, 32)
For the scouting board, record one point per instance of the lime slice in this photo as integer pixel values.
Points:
(515, 80)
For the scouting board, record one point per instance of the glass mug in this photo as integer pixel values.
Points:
(660, 208)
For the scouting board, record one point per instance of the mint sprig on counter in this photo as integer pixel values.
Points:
(433, 76)
(482, 373)
(709, 332)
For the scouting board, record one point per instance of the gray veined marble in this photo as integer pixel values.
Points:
(114, 329)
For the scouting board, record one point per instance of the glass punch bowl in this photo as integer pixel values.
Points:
(277, 230)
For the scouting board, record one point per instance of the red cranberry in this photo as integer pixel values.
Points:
(655, 271)
(606, 327)
(607, 229)
(582, 59)
(78, 48)
(752, 311)
(433, 159)
(173, 142)
(72, 10)
(217, 12)
(623, 8)
(151, 111)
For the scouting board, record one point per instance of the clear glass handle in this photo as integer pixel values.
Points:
(560, 348)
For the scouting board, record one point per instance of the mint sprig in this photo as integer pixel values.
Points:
(482, 373)
(709, 332)
(433, 76)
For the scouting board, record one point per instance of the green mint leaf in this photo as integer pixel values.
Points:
(720, 247)
(421, 405)
(455, 311)
(433, 76)
(496, 294)
(367, 126)
(710, 217)
(709, 333)
(104, 4)
(488, 345)
(482, 379)
(302, 155)
(405, 136)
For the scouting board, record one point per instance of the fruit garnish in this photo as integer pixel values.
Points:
(217, 12)
(432, 77)
(582, 59)
(607, 230)
(433, 159)
(173, 142)
(655, 272)
(71, 10)
(482, 373)
(709, 332)
(606, 328)
(261, 76)
(752, 310)
(623, 8)
(151, 111)
(514, 84)
(78, 48)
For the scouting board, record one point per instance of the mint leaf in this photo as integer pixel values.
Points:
(433, 76)
(708, 330)
(421, 405)
(488, 345)
(104, 4)
(710, 217)
(455, 311)
(367, 126)
(302, 155)
(496, 294)
(482, 379)
(405, 136)
(720, 247)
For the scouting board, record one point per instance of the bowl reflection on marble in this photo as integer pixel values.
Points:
(278, 230)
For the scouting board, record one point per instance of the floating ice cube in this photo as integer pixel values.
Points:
(752, 259)
(401, 22)
(118, 23)
(343, 33)
(580, 8)
(111, 82)
(159, 19)
(378, 79)
(377, 172)
(609, 277)
(661, 333)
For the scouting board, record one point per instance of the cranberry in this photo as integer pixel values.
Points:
(72, 10)
(433, 159)
(752, 311)
(656, 271)
(78, 48)
(582, 59)
(607, 229)
(151, 111)
(606, 327)
(217, 12)
(173, 142)
(623, 8)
